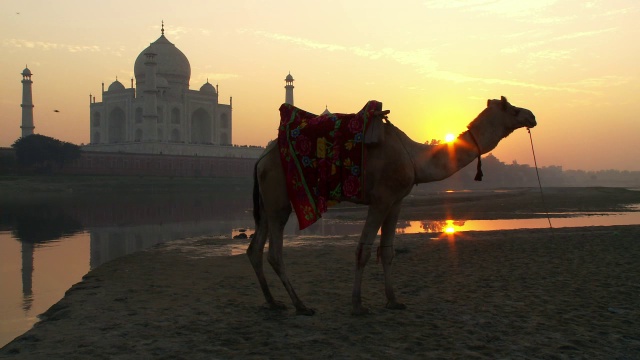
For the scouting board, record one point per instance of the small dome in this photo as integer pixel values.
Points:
(116, 86)
(208, 88)
(161, 82)
(26, 72)
(326, 111)
(288, 78)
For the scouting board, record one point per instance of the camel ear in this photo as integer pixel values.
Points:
(505, 103)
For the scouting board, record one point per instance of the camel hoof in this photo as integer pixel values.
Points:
(305, 311)
(395, 306)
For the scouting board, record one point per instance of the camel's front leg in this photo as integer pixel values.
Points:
(363, 253)
(387, 253)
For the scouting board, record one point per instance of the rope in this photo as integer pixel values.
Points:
(479, 173)
(539, 183)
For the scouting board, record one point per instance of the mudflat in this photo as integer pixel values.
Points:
(537, 293)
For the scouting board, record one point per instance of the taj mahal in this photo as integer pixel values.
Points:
(161, 115)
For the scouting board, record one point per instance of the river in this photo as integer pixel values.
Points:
(48, 247)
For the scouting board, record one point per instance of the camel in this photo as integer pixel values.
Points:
(394, 166)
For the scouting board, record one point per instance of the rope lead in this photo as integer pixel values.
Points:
(538, 175)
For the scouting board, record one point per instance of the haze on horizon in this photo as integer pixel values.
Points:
(433, 63)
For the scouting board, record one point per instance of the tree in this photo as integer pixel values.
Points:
(43, 151)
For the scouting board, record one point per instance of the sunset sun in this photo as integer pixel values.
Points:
(449, 138)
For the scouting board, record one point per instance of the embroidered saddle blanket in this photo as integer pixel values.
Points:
(323, 158)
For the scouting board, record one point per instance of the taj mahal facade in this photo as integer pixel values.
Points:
(161, 115)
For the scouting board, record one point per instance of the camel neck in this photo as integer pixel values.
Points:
(437, 162)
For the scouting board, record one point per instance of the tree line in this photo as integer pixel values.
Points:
(43, 154)
(498, 174)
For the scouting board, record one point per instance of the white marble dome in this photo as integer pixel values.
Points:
(116, 86)
(208, 88)
(172, 64)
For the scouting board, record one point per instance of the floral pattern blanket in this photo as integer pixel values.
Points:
(323, 158)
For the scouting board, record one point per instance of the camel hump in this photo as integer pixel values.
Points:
(375, 131)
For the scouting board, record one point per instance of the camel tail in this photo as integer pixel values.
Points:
(256, 195)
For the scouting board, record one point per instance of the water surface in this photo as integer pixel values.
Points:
(46, 248)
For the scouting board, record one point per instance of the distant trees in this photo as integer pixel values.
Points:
(42, 151)
(498, 174)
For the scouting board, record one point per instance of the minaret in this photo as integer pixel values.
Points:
(27, 104)
(27, 274)
(288, 97)
(150, 107)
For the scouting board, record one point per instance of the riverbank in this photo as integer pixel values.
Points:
(566, 293)
(425, 200)
(29, 189)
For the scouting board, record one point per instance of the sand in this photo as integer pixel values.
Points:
(534, 294)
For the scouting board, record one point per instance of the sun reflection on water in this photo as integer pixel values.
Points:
(449, 229)
(457, 227)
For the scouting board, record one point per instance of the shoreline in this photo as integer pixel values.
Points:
(531, 293)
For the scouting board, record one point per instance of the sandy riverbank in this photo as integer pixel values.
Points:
(503, 294)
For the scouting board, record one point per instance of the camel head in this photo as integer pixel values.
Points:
(498, 120)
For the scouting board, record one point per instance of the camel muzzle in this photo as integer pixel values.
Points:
(532, 122)
(528, 119)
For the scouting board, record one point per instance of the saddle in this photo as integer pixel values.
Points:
(323, 156)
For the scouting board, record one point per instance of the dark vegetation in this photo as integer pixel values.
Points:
(42, 153)
(498, 174)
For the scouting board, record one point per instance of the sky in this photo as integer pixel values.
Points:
(433, 63)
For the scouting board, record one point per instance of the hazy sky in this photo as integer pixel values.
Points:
(433, 63)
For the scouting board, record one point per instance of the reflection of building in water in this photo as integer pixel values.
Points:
(159, 209)
(27, 275)
(110, 242)
(120, 226)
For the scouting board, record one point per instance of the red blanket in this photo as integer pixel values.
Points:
(323, 158)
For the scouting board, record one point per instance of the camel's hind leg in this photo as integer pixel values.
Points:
(277, 221)
(387, 252)
(255, 252)
(270, 198)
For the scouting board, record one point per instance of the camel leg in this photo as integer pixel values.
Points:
(276, 229)
(255, 253)
(363, 253)
(387, 253)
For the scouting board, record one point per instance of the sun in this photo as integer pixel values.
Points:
(449, 138)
